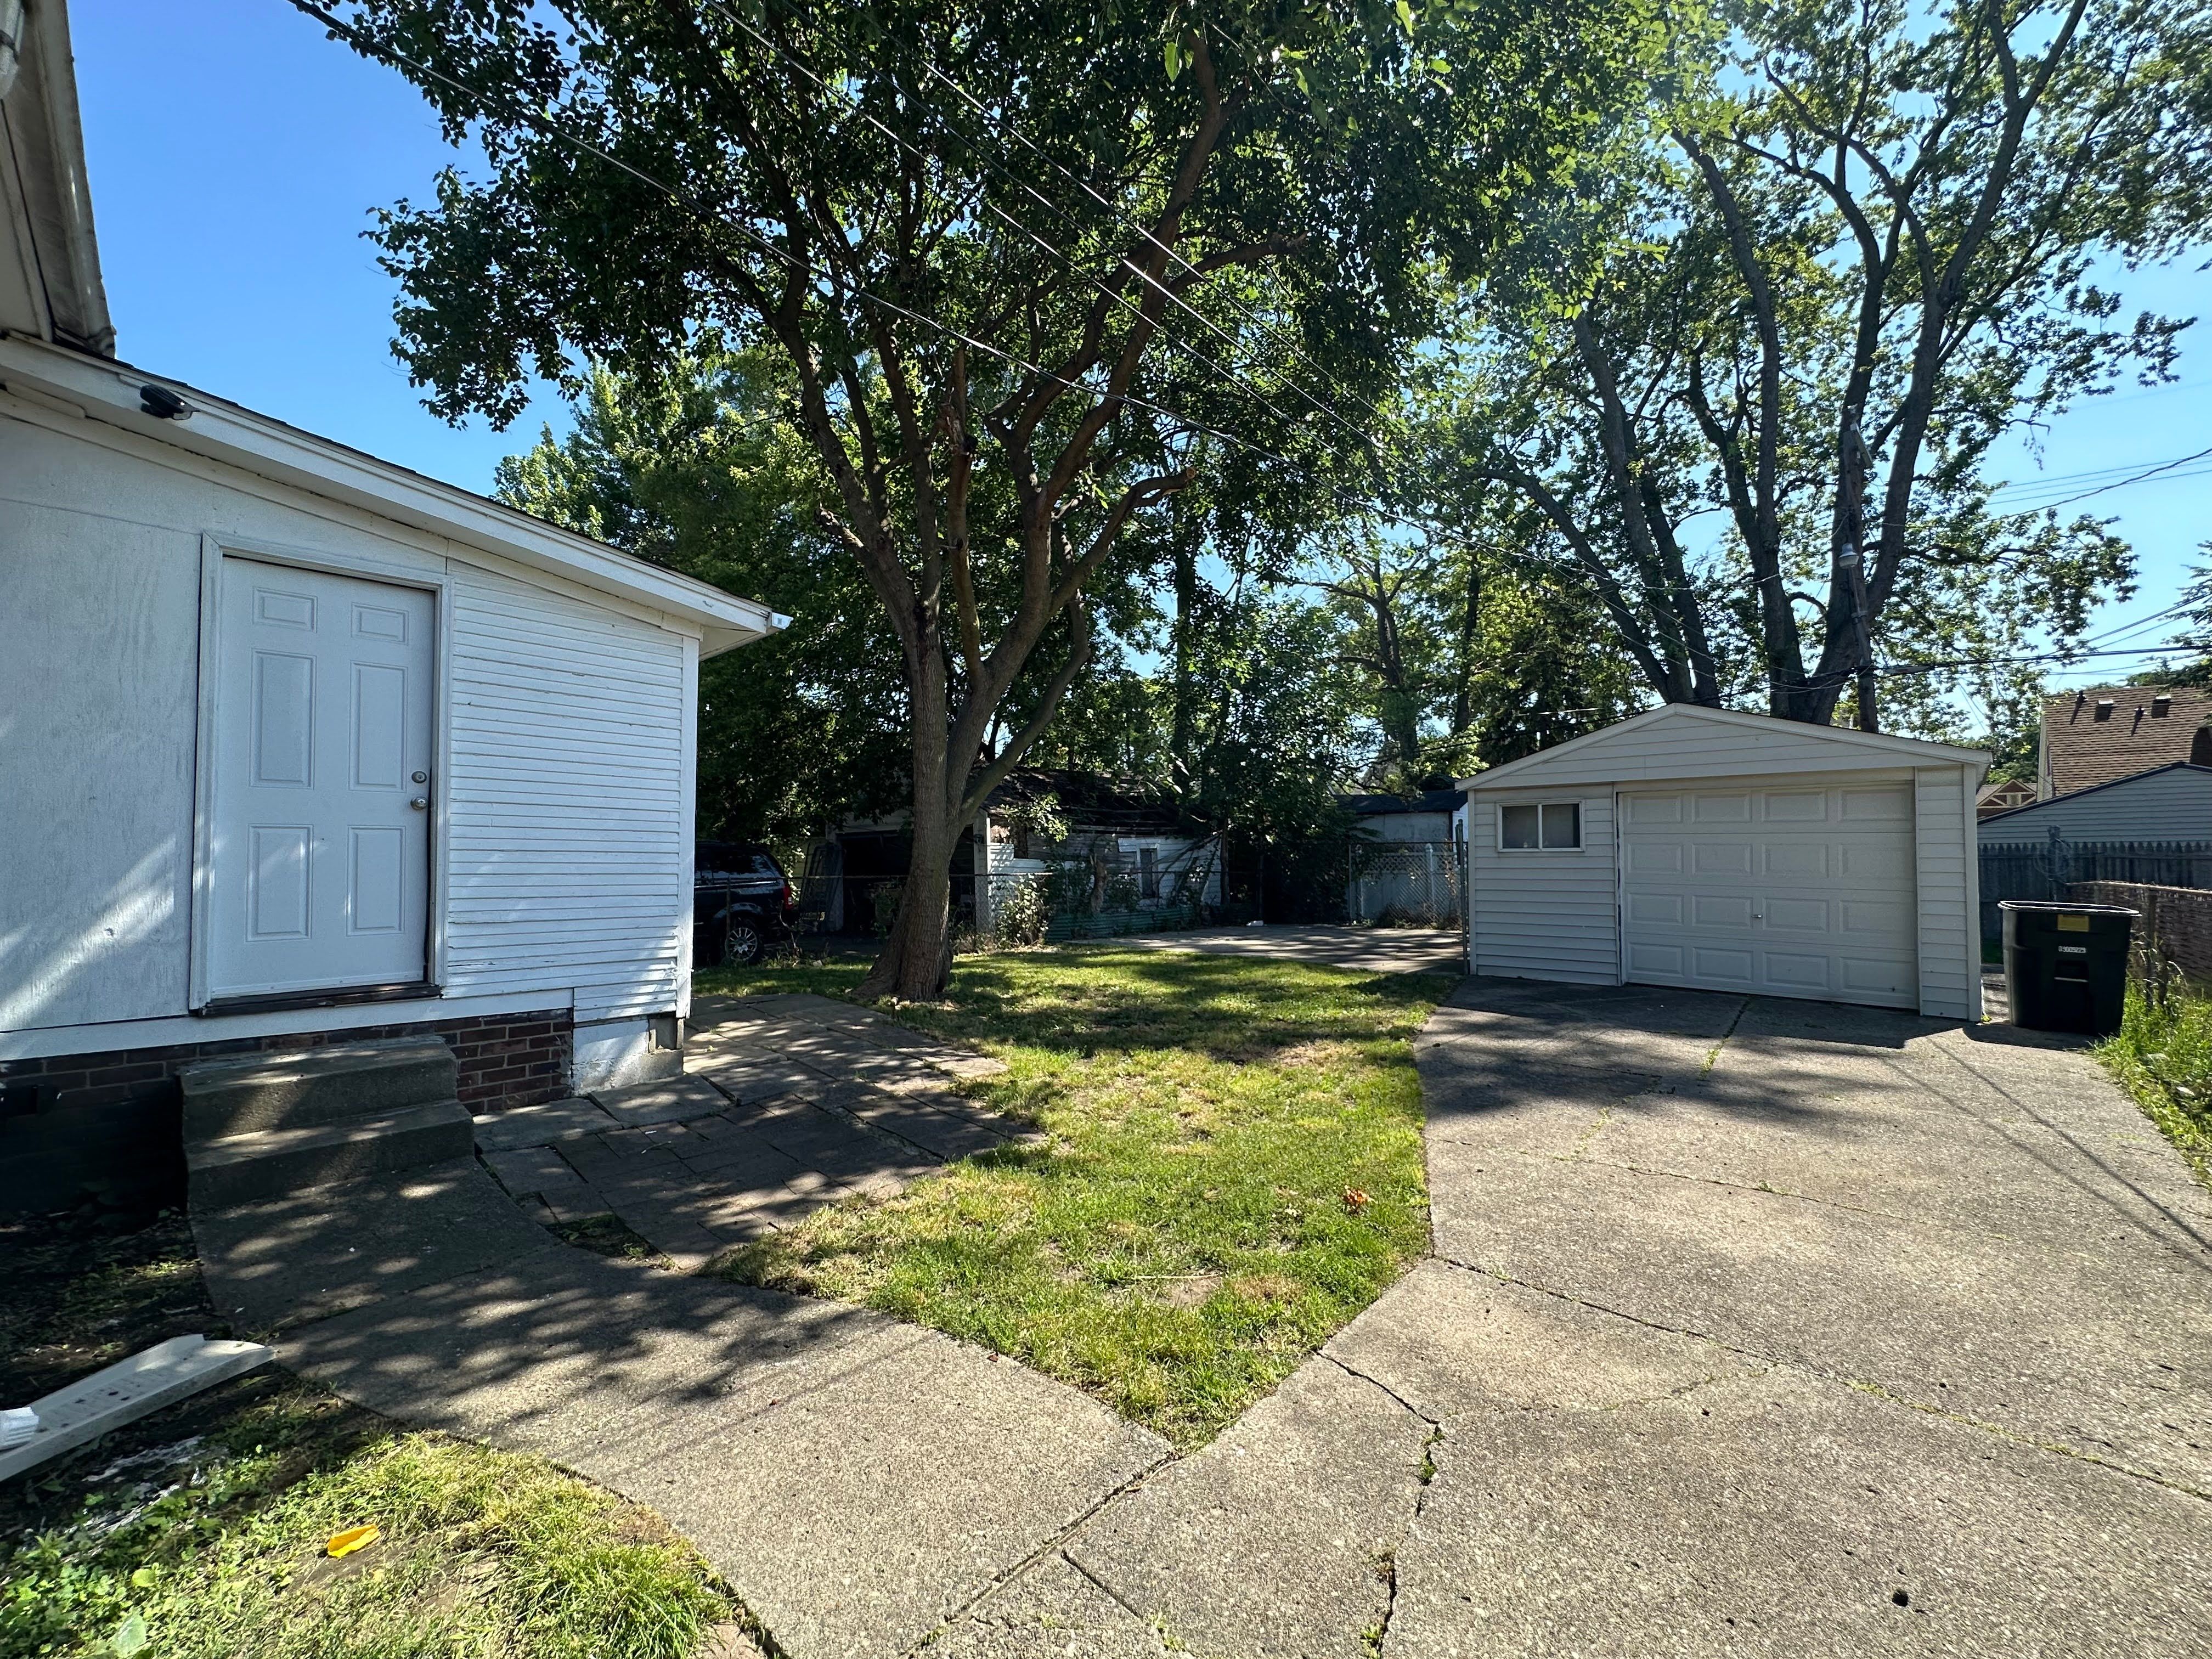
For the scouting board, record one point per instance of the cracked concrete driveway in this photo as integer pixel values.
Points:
(1753, 1327)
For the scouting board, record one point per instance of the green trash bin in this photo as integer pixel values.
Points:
(2066, 965)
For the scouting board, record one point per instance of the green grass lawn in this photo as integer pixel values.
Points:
(2162, 1055)
(200, 1530)
(1229, 1169)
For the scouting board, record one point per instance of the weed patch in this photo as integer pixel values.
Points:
(2162, 1055)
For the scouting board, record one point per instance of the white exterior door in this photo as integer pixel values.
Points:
(1785, 891)
(318, 837)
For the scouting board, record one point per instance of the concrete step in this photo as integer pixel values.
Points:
(264, 1163)
(300, 1089)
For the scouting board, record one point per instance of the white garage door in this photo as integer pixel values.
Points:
(1792, 892)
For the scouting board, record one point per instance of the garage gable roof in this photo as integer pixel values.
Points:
(1681, 739)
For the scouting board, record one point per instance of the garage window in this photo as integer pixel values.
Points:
(1547, 827)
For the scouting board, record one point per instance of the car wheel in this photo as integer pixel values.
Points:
(741, 944)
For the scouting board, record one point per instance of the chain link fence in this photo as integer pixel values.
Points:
(1406, 883)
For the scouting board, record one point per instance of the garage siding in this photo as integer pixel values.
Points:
(1689, 750)
(1940, 853)
(1546, 916)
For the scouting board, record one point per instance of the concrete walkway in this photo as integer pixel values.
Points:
(1372, 950)
(788, 1103)
(857, 1482)
(1754, 1327)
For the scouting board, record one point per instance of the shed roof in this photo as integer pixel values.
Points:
(1095, 801)
(2100, 734)
(1377, 806)
(1681, 739)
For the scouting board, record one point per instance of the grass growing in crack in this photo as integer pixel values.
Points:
(2162, 1055)
(198, 1530)
(1230, 1169)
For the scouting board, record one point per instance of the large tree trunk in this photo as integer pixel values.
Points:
(916, 959)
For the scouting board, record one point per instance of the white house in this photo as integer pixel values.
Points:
(1730, 852)
(2171, 803)
(1144, 851)
(295, 742)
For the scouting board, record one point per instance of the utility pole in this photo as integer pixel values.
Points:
(1851, 561)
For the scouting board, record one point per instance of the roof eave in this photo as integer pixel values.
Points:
(1666, 711)
(219, 430)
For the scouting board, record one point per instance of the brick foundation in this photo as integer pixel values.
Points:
(106, 1126)
(2175, 931)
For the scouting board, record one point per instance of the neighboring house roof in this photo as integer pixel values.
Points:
(2003, 796)
(2104, 733)
(1096, 801)
(2047, 809)
(50, 286)
(1621, 750)
(1377, 806)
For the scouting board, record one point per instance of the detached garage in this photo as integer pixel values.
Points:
(1721, 851)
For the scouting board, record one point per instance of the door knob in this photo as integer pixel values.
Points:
(420, 803)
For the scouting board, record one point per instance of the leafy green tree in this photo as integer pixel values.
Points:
(984, 239)
(696, 467)
(1858, 256)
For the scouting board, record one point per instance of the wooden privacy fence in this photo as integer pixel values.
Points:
(2051, 869)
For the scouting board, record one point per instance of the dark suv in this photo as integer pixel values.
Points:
(741, 902)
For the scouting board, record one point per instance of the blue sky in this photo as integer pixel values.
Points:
(235, 155)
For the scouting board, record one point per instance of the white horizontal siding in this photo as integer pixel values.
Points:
(1545, 915)
(1948, 932)
(567, 836)
(2169, 805)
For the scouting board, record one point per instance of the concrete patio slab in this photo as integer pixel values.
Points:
(539, 1125)
(669, 1100)
(794, 1101)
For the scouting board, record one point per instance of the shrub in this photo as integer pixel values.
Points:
(884, 896)
(1021, 911)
